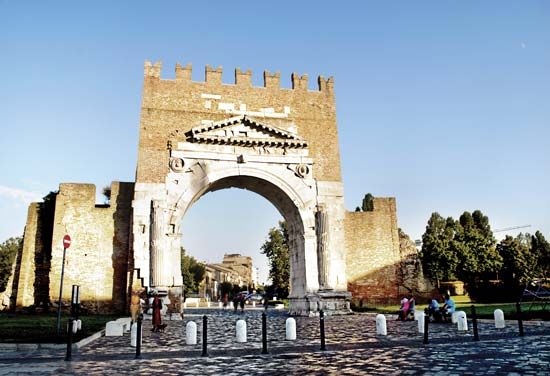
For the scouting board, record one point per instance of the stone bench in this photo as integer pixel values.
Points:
(126, 322)
(114, 329)
(190, 302)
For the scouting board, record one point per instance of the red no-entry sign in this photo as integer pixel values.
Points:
(66, 241)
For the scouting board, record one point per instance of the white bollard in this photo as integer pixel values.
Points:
(184, 304)
(290, 327)
(462, 321)
(253, 304)
(241, 331)
(417, 314)
(499, 319)
(191, 333)
(133, 334)
(454, 317)
(75, 326)
(79, 324)
(421, 322)
(220, 305)
(381, 327)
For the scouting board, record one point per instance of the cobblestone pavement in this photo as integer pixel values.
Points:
(352, 348)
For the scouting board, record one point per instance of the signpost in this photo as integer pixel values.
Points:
(66, 244)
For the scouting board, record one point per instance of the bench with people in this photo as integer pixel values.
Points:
(406, 311)
(441, 313)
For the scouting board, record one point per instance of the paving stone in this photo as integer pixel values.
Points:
(352, 344)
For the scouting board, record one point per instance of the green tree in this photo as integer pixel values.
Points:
(192, 272)
(438, 259)
(226, 288)
(474, 245)
(8, 251)
(277, 252)
(519, 262)
(368, 203)
(540, 248)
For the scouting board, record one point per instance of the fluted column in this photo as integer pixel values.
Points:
(322, 232)
(161, 271)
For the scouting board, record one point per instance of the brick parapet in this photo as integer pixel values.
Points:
(172, 107)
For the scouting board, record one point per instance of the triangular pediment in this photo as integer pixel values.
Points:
(244, 131)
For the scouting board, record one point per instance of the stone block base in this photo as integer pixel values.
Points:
(331, 302)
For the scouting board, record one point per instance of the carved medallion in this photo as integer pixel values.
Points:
(176, 164)
(301, 170)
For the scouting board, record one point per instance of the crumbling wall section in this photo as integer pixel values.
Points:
(372, 253)
(97, 259)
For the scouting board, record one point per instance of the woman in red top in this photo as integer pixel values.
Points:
(157, 307)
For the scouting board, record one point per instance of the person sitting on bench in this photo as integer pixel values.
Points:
(433, 310)
(448, 308)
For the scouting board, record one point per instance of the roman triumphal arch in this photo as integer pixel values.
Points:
(249, 138)
(197, 137)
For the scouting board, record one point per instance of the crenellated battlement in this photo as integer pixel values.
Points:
(213, 76)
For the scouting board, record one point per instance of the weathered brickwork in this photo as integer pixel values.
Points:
(24, 289)
(372, 252)
(98, 257)
(172, 107)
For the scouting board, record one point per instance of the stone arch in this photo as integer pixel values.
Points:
(294, 205)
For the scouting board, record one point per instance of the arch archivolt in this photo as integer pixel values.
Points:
(293, 197)
(313, 211)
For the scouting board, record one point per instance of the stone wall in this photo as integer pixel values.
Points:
(172, 107)
(97, 259)
(372, 253)
(24, 280)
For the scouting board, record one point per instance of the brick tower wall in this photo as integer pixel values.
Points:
(172, 107)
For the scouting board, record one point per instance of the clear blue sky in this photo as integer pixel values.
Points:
(442, 104)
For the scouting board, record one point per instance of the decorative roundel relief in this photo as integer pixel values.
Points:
(176, 164)
(302, 170)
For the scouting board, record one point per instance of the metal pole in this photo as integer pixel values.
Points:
(204, 336)
(474, 323)
(264, 333)
(426, 328)
(520, 319)
(138, 336)
(322, 328)
(60, 293)
(69, 355)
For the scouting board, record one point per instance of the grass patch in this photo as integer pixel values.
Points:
(483, 310)
(26, 328)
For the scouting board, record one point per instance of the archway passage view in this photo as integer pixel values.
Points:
(224, 235)
(200, 137)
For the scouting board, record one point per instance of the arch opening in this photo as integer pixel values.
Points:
(281, 200)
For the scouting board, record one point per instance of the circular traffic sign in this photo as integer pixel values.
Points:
(66, 241)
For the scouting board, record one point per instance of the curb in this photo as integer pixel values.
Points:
(28, 347)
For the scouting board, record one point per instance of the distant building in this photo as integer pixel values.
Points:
(235, 269)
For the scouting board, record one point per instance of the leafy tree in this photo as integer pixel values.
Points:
(226, 288)
(368, 203)
(192, 272)
(8, 251)
(540, 248)
(439, 261)
(107, 193)
(276, 250)
(474, 245)
(519, 262)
